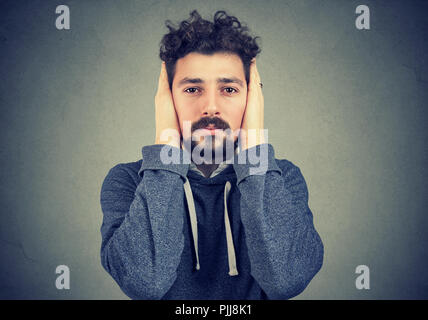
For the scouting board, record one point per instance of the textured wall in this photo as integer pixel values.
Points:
(347, 106)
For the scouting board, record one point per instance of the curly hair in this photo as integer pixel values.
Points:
(226, 34)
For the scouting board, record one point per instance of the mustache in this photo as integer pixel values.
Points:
(205, 121)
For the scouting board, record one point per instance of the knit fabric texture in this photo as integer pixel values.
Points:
(147, 244)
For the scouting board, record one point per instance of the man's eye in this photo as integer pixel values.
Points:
(191, 89)
(234, 90)
(228, 90)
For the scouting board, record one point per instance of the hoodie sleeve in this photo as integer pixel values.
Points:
(284, 248)
(142, 237)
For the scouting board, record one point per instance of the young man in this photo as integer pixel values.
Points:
(208, 229)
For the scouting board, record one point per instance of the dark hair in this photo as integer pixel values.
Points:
(226, 34)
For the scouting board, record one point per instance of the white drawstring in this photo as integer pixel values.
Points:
(233, 271)
(193, 219)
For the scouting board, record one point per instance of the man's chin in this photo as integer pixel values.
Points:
(205, 152)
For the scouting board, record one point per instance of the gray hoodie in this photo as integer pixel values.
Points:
(170, 233)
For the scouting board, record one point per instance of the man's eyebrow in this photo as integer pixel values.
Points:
(186, 80)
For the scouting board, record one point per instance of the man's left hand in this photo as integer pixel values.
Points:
(253, 119)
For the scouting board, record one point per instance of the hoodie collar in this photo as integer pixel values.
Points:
(222, 166)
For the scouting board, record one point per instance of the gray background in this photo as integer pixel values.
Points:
(348, 107)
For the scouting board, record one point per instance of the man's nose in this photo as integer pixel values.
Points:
(210, 107)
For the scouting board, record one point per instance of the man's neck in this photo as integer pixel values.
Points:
(207, 169)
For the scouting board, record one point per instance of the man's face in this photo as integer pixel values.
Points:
(210, 92)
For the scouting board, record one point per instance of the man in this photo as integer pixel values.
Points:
(208, 229)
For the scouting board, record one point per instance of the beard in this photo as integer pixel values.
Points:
(207, 148)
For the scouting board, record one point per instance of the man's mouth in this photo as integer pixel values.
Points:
(212, 128)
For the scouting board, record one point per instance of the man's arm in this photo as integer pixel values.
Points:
(284, 248)
(142, 229)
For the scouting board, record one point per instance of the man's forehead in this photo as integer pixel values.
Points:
(200, 65)
(201, 80)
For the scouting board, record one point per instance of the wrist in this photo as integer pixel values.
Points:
(253, 138)
(170, 139)
(170, 142)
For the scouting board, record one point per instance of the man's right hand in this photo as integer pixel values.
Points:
(167, 127)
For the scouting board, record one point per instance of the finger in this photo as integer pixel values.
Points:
(255, 82)
(257, 91)
(160, 77)
(253, 76)
(256, 75)
(163, 78)
(251, 84)
(256, 71)
(258, 79)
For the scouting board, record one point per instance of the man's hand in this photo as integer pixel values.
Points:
(167, 127)
(254, 112)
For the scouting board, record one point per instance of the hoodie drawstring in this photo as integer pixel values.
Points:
(233, 271)
(193, 219)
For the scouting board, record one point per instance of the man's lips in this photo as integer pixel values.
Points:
(212, 129)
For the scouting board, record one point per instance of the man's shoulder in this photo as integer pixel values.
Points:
(130, 167)
(285, 164)
(289, 169)
(125, 172)
(118, 187)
